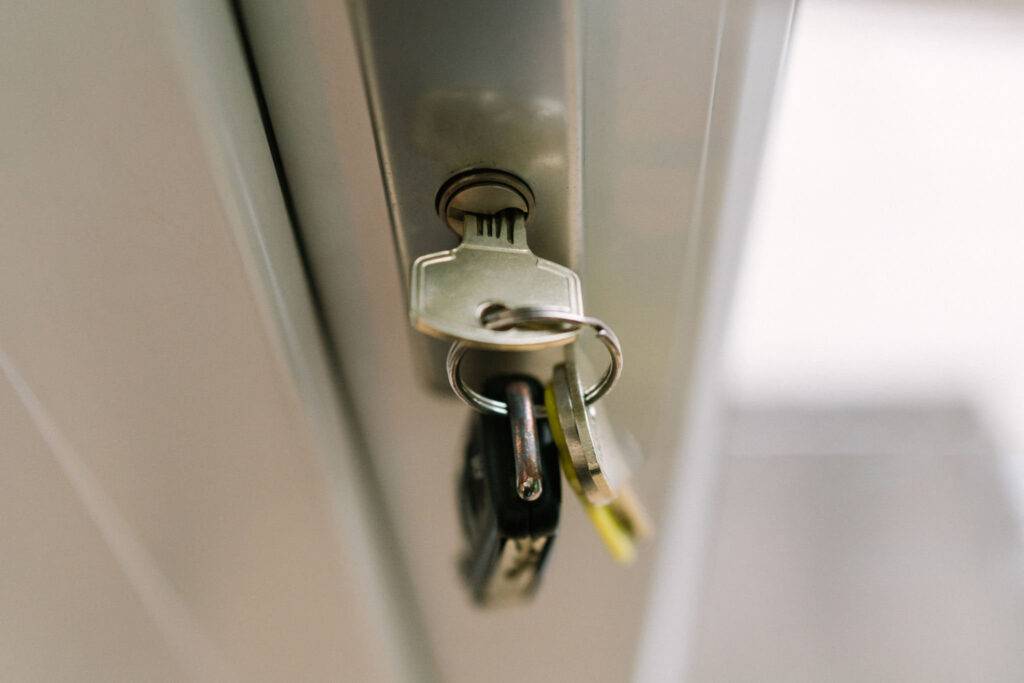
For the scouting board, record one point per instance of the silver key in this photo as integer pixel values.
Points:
(525, 447)
(493, 266)
(601, 471)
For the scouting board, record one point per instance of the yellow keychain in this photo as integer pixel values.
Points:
(619, 523)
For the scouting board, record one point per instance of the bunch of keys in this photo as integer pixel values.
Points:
(492, 292)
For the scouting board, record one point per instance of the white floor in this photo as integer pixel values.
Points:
(886, 251)
(862, 544)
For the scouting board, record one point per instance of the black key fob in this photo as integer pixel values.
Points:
(508, 537)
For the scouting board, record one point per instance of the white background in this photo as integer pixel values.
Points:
(886, 255)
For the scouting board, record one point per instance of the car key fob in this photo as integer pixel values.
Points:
(509, 528)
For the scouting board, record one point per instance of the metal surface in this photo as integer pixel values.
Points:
(484, 192)
(600, 472)
(461, 85)
(525, 447)
(540, 318)
(493, 266)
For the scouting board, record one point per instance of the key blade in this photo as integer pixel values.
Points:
(525, 447)
(503, 232)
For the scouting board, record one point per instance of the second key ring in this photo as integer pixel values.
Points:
(535, 315)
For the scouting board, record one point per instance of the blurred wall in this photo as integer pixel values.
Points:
(886, 254)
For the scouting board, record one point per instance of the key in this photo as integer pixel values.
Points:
(525, 448)
(508, 536)
(591, 455)
(600, 471)
(492, 267)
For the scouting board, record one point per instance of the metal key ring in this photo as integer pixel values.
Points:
(509, 318)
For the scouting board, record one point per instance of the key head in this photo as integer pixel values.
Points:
(600, 470)
(493, 266)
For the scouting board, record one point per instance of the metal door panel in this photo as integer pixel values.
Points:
(656, 111)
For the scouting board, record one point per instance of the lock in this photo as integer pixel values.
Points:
(483, 192)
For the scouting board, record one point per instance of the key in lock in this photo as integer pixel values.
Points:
(492, 267)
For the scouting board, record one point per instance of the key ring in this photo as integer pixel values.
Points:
(557, 318)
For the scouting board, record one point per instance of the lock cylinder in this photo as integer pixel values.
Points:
(484, 192)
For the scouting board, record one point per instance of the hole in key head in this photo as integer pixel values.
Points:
(498, 316)
(489, 310)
